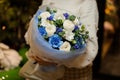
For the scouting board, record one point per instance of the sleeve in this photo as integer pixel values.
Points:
(45, 2)
(27, 34)
(89, 16)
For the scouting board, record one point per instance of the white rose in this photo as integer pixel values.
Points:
(50, 30)
(59, 15)
(44, 15)
(65, 46)
(45, 23)
(69, 35)
(68, 25)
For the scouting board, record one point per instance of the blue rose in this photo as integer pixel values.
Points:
(55, 41)
(42, 31)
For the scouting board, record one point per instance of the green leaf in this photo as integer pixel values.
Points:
(58, 22)
(45, 37)
(77, 32)
(39, 24)
(54, 11)
(72, 17)
(22, 52)
(87, 32)
(74, 41)
(83, 27)
(48, 9)
(61, 33)
(39, 18)
(86, 36)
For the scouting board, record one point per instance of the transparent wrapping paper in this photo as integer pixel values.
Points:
(42, 48)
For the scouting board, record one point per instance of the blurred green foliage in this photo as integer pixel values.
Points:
(22, 52)
(11, 75)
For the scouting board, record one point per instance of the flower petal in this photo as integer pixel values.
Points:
(65, 46)
(44, 15)
(68, 25)
(50, 30)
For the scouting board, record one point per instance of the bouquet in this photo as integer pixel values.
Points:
(57, 35)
